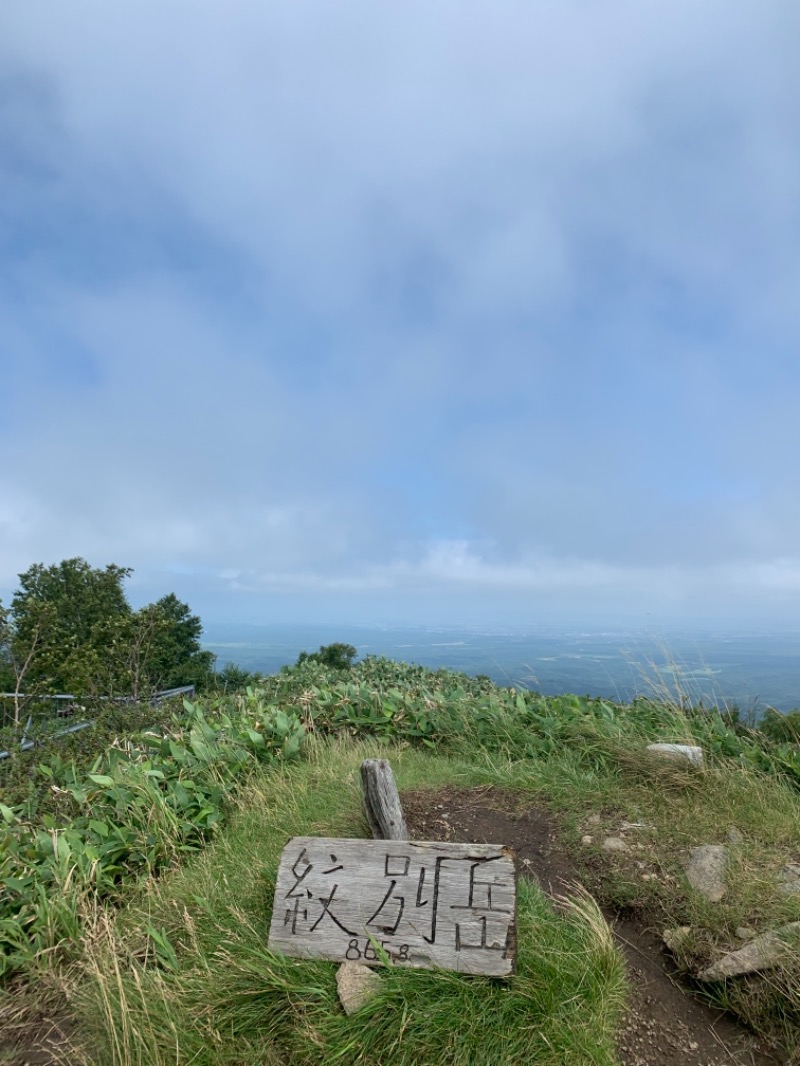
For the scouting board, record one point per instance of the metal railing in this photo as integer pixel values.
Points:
(26, 743)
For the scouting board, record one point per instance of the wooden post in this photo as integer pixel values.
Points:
(357, 984)
(382, 801)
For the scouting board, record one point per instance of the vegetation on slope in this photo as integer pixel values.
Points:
(238, 773)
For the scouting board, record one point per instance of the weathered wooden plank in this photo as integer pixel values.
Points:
(382, 801)
(426, 904)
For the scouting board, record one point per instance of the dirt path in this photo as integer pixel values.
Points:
(665, 1025)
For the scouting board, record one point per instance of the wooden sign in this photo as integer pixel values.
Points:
(429, 905)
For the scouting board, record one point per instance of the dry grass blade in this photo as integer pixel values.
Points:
(582, 904)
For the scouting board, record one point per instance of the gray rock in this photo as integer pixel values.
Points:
(357, 985)
(615, 844)
(744, 932)
(761, 953)
(683, 752)
(705, 870)
(674, 938)
(790, 879)
(735, 836)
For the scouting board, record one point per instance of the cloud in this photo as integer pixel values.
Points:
(403, 300)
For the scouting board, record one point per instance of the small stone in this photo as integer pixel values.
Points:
(735, 836)
(593, 819)
(357, 985)
(615, 844)
(744, 932)
(760, 954)
(790, 879)
(587, 839)
(673, 938)
(705, 870)
(684, 752)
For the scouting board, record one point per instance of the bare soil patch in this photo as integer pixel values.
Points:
(666, 1025)
(32, 1032)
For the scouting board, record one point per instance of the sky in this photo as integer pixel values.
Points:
(405, 311)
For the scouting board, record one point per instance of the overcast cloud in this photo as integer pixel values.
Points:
(405, 310)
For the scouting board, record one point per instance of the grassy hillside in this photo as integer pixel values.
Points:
(138, 879)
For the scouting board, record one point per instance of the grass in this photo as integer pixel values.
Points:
(218, 996)
(180, 973)
(611, 780)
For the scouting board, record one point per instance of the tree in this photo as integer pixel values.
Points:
(18, 655)
(61, 616)
(118, 661)
(337, 656)
(232, 677)
(71, 629)
(177, 657)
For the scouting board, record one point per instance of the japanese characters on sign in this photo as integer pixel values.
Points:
(451, 906)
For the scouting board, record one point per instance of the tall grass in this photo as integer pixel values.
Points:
(223, 998)
(201, 918)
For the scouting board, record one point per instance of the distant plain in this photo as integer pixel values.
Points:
(719, 667)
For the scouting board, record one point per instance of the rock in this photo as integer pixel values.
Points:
(615, 844)
(674, 938)
(790, 879)
(593, 819)
(587, 839)
(357, 985)
(744, 932)
(705, 870)
(685, 752)
(760, 954)
(735, 836)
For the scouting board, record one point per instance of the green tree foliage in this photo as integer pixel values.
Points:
(337, 656)
(21, 651)
(62, 613)
(70, 628)
(234, 677)
(176, 657)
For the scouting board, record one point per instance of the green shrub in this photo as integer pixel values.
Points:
(336, 656)
(138, 807)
